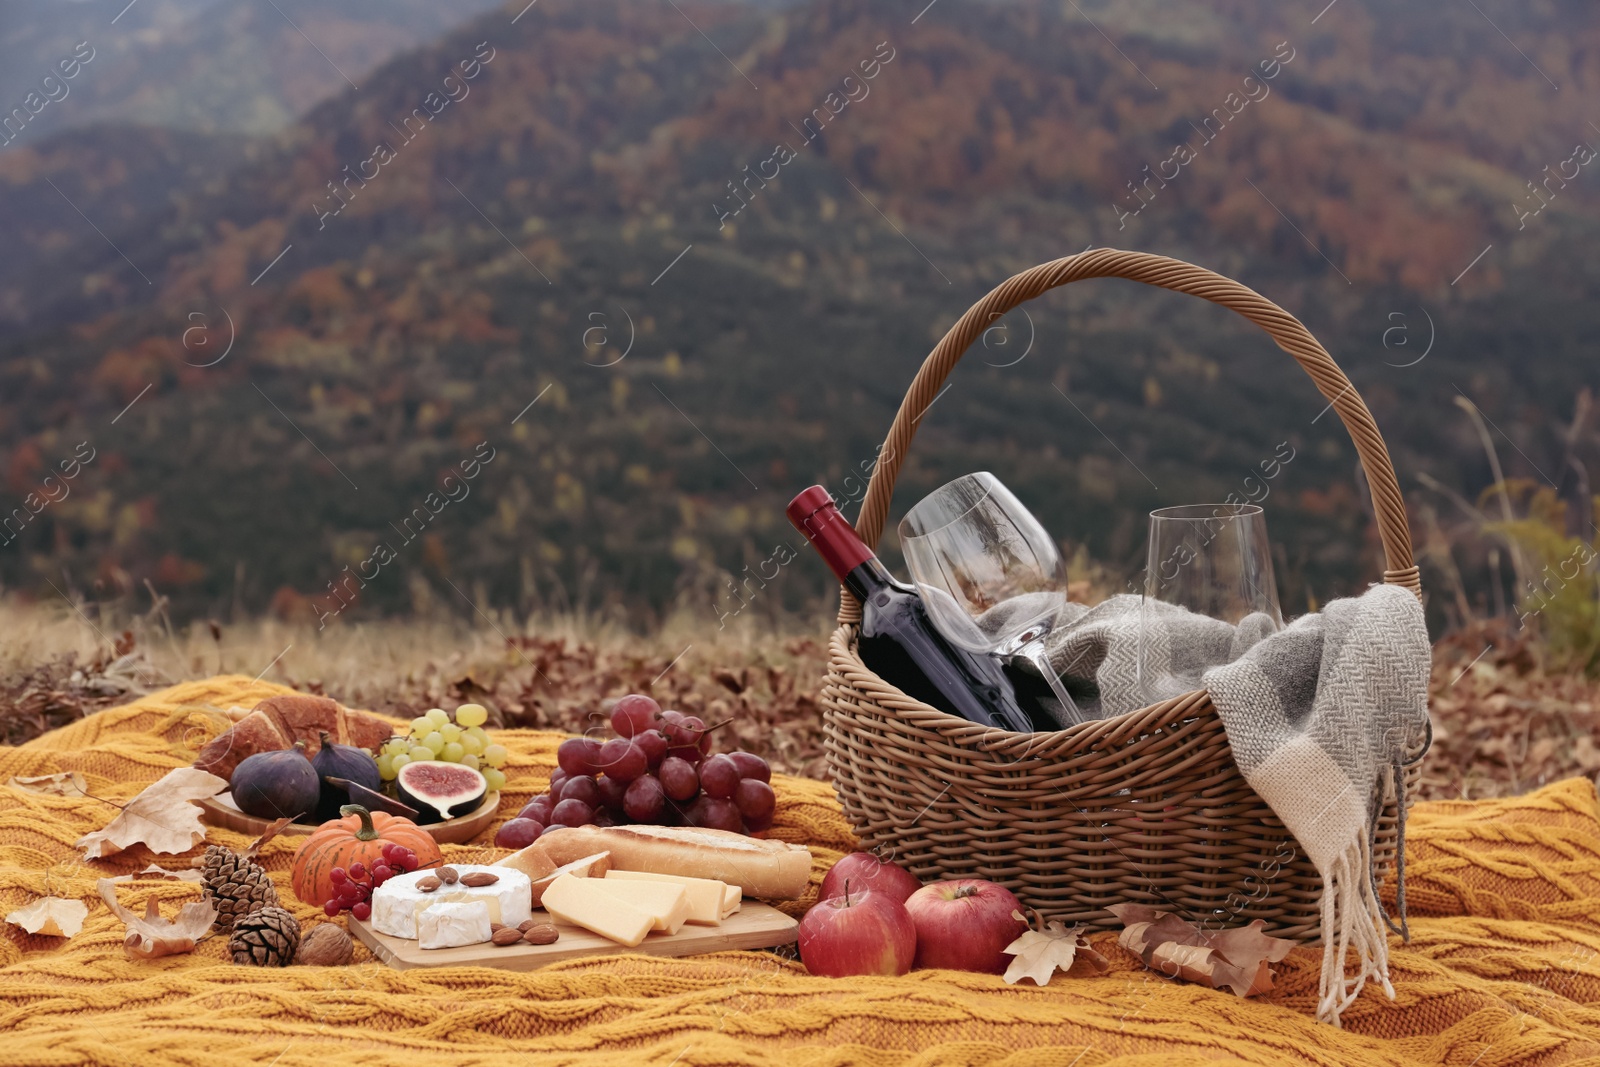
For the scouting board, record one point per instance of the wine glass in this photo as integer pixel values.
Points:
(992, 579)
(1211, 560)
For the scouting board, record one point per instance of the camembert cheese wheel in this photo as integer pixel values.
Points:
(397, 902)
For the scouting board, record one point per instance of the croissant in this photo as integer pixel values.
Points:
(278, 722)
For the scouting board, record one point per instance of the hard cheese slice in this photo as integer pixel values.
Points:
(594, 866)
(731, 900)
(666, 903)
(574, 900)
(705, 895)
(453, 923)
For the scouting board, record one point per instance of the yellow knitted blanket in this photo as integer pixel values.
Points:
(1503, 967)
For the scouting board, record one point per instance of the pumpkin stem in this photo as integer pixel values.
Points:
(366, 833)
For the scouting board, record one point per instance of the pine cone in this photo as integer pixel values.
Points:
(265, 938)
(236, 884)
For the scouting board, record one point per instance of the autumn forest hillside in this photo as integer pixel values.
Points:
(634, 273)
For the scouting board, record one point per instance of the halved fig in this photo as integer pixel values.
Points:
(440, 790)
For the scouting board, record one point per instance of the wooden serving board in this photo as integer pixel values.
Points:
(754, 925)
(221, 811)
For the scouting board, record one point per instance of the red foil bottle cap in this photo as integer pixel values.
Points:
(814, 514)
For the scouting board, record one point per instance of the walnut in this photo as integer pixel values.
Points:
(325, 945)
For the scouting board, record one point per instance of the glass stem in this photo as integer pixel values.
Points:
(1034, 651)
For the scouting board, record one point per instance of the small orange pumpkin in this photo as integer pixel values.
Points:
(358, 836)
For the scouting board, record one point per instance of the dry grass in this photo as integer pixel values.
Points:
(1503, 725)
(57, 664)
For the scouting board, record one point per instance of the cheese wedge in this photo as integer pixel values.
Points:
(453, 923)
(573, 900)
(531, 861)
(594, 866)
(731, 899)
(667, 904)
(706, 896)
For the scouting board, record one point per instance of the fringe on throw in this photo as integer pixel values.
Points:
(1395, 785)
(1354, 918)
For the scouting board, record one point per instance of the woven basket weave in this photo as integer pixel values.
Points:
(1148, 807)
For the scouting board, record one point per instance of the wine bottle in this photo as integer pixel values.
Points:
(898, 641)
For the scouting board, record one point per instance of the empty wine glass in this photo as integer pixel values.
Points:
(1212, 560)
(991, 577)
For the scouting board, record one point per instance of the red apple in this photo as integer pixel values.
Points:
(863, 872)
(861, 933)
(965, 925)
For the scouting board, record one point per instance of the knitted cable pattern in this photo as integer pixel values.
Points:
(1503, 969)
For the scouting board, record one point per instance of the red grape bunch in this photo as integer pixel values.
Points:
(352, 889)
(658, 769)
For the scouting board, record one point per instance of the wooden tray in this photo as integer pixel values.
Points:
(220, 811)
(754, 925)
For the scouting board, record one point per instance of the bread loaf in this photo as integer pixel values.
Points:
(278, 722)
(256, 732)
(303, 718)
(773, 869)
(532, 861)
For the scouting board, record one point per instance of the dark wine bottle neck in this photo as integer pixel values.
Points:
(868, 578)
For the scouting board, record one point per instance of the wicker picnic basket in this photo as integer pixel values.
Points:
(1148, 807)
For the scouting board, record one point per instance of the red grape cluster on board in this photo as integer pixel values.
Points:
(352, 889)
(658, 769)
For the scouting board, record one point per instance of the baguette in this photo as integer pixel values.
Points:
(532, 861)
(773, 869)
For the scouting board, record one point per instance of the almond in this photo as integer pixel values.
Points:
(526, 924)
(448, 875)
(428, 884)
(541, 934)
(506, 935)
(477, 879)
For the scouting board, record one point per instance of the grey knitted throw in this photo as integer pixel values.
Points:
(1322, 717)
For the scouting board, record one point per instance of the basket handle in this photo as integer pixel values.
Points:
(1282, 327)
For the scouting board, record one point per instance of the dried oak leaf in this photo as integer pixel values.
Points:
(1235, 959)
(152, 936)
(51, 916)
(65, 784)
(161, 817)
(732, 681)
(1039, 954)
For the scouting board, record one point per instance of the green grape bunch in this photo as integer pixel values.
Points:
(439, 736)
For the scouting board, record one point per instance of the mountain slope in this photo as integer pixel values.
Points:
(407, 273)
(247, 67)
